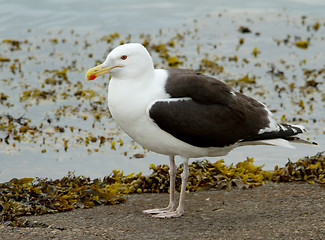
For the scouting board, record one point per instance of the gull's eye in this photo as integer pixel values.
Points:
(124, 57)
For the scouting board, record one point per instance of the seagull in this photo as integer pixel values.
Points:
(180, 112)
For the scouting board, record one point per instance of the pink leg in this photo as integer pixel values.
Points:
(180, 209)
(172, 201)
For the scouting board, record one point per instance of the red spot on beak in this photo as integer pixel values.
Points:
(92, 77)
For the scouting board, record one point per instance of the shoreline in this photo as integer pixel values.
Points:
(272, 211)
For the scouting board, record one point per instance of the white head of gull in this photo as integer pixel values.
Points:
(183, 112)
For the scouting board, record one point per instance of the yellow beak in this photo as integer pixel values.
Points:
(97, 71)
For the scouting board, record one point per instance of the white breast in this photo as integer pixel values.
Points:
(129, 99)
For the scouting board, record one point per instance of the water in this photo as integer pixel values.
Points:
(62, 34)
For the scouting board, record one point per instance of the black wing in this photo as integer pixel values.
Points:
(213, 116)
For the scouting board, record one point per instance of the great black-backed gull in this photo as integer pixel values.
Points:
(183, 112)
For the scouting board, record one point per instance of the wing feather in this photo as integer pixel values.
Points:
(213, 115)
(205, 112)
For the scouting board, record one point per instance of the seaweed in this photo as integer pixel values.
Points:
(36, 196)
